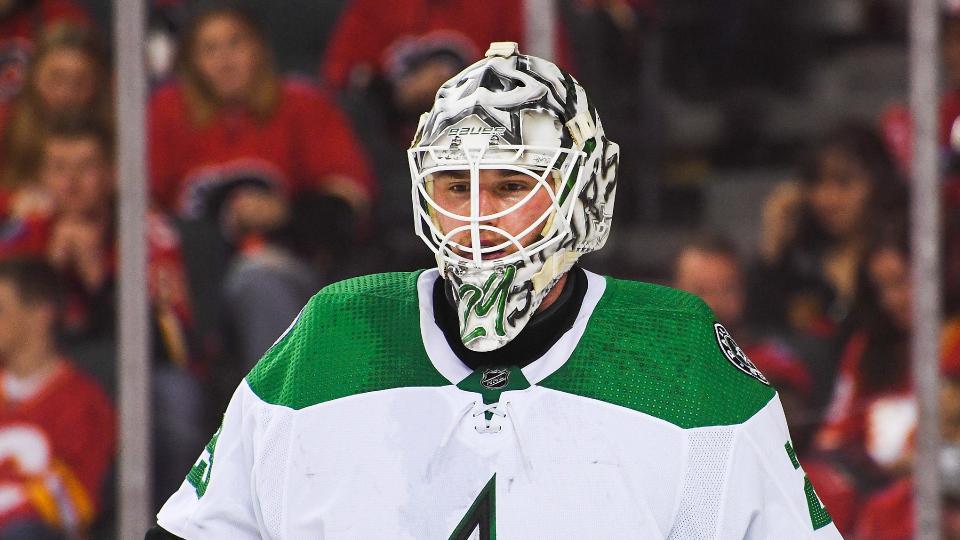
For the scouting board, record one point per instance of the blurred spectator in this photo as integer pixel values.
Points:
(385, 115)
(395, 60)
(416, 69)
(815, 232)
(230, 116)
(270, 160)
(371, 42)
(71, 223)
(69, 75)
(74, 229)
(873, 415)
(387, 65)
(888, 514)
(710, 268)
(56, 424)
(21, 23)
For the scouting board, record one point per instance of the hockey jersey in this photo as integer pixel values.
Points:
(644, 420)
(56, 445)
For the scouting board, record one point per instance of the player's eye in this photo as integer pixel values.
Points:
(458, 187)
(515, 186)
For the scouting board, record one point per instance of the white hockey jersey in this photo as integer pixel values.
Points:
(645, 420)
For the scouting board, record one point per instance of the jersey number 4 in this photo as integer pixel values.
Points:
(482, 515)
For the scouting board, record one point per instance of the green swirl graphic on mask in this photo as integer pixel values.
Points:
(478, 301)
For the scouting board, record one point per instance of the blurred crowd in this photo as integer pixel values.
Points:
(267, 185)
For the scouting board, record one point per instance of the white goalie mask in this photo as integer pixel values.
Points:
(521, 121)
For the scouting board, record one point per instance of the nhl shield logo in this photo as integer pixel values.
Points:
(735, 354)
(495, 378)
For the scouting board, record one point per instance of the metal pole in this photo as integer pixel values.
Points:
(925, 238)
(135, 465)
(540, 28)
(651, 121)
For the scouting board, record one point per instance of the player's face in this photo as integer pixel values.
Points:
(66, 80)
(77, 176)
(716, 279)
(890, 275)
(227, 57)
(839, 196)
(499, 190)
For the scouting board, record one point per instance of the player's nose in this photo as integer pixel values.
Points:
(488, 205)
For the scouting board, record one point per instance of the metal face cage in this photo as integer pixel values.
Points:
(557, 171)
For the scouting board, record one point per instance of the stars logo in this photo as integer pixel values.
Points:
(735, 354)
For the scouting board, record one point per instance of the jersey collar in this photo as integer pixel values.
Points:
(446, 362)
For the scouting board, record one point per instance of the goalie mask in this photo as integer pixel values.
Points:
(513, 180)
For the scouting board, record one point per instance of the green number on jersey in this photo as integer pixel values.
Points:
(819, 517)
(481, 515)
(199, 475)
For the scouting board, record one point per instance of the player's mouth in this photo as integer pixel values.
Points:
(488, 255)
(493, 255)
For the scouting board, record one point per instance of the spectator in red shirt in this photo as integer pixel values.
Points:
(21, 23)
(71, 225)
(370, 37)
(388, 64)
(230, 116)
(56, 424)
(69, 75)
(271, 160)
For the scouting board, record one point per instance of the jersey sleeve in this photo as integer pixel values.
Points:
(767, 493)
(216, 501)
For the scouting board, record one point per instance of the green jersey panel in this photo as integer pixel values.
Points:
(356, 336)
(648, 348)
(656, 350)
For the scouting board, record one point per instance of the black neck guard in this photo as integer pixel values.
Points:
(543, 330)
